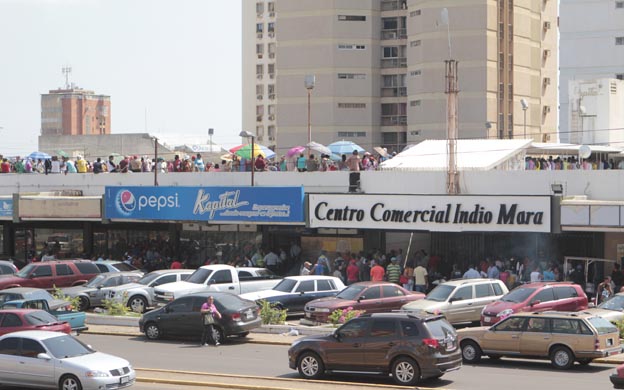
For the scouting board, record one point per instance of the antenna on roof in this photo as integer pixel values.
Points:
(66, 71)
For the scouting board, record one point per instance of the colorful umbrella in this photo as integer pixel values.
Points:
(295, 151)
(244, 151)
(39, 156)
(62, 153)
(344, 147)
(319, 148)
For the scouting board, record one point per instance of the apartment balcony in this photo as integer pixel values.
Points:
(400, 33)
(393, 5)
(393, 91)
(394, 120)
(394, 62)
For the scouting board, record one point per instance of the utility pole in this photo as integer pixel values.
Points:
(157, 164)
(452, 182)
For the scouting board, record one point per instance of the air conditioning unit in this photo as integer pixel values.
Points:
(546, 53)
(546, 25)
(271, 138)
(546, 109)
(259, 118)
(260, 55)
(271, 34)
(271, 76)
(272, 96)
(259, 35)
(271, 117)
(271, 55)
(259, 76)
(259, 97)
(271, 14)
(259, 14)
(546, 81)
(391, 35)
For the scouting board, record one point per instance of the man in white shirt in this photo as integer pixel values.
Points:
(471, 273)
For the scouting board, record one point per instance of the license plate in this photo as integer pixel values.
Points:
(124, 379)
(249, 314)
(487, 319)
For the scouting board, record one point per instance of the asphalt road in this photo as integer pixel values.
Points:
(236, 357)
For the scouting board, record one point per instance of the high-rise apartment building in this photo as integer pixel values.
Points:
(380, 70)
(592, 47)
(75, 111)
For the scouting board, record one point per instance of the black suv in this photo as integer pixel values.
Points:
(410, 347)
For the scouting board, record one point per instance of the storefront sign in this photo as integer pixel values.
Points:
(431, 213)
(60, 207)
(6, 208)
(213, 204)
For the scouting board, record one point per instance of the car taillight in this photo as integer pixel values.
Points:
(433, 343)
(236, 317)
(597, 344)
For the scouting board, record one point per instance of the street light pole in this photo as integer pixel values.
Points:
(156, 166)
(309, 82)
(248, 134)
(210, 133)
(525, 107)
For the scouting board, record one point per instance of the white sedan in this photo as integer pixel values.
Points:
(53, 360)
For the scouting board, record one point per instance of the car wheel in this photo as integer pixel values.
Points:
(561, 358)
(405, 371)
(83, 303)
(471, 353)
(152, 331)
(137, 304)
(218, 335)
(310, 366)
(69, 382)
(584, 362)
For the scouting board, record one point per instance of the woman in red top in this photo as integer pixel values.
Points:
(353, 272)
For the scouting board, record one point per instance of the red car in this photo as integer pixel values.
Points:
(50, 274)
(535, 297)
(618, 377)
(372, 297)
(30, 319)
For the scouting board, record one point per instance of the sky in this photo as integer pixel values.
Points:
(169, 66)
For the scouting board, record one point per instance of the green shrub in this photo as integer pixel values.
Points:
(271, 314)
(74, 303)
(117, 308)
(620, 326)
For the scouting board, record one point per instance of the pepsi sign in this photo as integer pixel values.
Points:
(212, 204)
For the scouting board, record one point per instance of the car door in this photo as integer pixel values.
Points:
(98, 295)
(9, 355)
(164, 279)
(382, 338)
(42, 277)
(573, 333)
(39, 372)
(393, 298)
(175, 319)
(543, 300)
(460, 305)
(303, 293)
(504, 337)
(222, 281)
(11, 322)
(536, 338)
(566, 298)
(345, 351)
(369, 300)
(484, 294)
(64, 275)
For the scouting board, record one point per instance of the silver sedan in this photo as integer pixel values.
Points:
(53, 360)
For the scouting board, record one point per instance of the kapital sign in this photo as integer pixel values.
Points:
(431, 213)
(218, 204)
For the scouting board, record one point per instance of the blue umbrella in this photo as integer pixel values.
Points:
(344, 147)
(39, 156)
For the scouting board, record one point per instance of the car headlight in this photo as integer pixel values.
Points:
(322, 310)
(97, 374)
(505, 313)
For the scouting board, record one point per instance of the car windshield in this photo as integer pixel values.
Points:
(440, 293)
(124, 267)
(616, 303)
(602, 326)
(5, 297)
(63, 347)
(518, 295)
(24, 272)
(147, 279)
(200, 276)
(265, 273)
(96, 280)
(285, 285)
(40, 318)
(350, 293)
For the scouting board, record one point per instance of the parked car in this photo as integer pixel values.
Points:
(95, 291)
(409, 347)
(61, 362)
(218, 277)
(460, 301)
(7, 267)
(182, 317)
(75, 319)
(562, 337)
(617, 378)
(13, 320)
(372, 297)
(293, 292)
(51, 274)
(535, 297)
(140, 294)
(611, 309)
(30, 293)
(114, 266)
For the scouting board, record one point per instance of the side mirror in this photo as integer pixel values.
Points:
(302, 292)
(33, 275)
(361, 298)
(43, 356)
(337, 336)
(100, 286)
(537, 302)
(212, 281)
(168, 309)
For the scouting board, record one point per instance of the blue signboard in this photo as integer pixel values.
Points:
(6, 208)
(210, 204)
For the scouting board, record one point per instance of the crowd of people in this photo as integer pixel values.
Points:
(570, 163)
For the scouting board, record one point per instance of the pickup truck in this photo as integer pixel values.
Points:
(76, 319)
(218, 277)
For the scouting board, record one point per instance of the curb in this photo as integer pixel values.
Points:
(218, 385)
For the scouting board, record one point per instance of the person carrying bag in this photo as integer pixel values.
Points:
(209, 312)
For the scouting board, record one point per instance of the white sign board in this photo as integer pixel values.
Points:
(431, 213)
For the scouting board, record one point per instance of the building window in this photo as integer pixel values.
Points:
(260, 90)
(351, 134)
(415, 13)
(415, 103)
(619, 41)
(351, 105)
(259, 27)
(351, 46)
(352, 76)
(352, 18)
(271, 7)
(259, 69)
(260, 49)
(619, 76)
(390, 52)
(271, 27)
(259, 8)
(619, 4)
(415, 72)
(415, 43)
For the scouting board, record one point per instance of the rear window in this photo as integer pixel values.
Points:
(564, 292)
(439, 329)
(87, 268)
(483, 290)
(40, 318)
(497, 289)
(602, 326)
(124, 267)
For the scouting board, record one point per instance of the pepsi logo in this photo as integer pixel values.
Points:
(126, 202)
